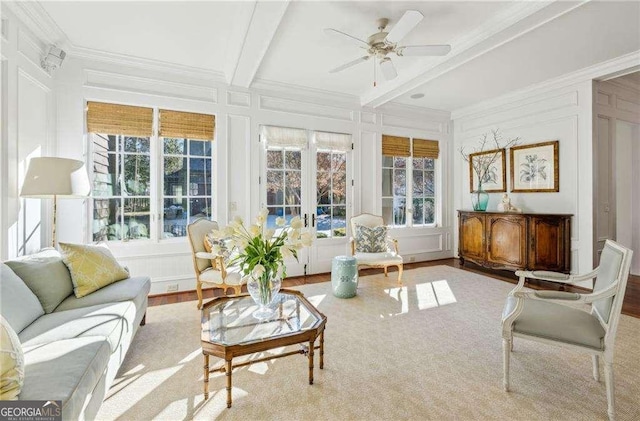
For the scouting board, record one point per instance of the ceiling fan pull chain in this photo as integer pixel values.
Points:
(374, 73)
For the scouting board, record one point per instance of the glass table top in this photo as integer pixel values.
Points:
(229, 320)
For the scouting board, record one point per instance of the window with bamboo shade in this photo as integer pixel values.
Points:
(408, 181)
(116, 119)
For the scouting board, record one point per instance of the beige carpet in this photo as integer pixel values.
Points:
(429, 351)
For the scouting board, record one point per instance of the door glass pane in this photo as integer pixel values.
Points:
(339, 188)
(339, 221)
(274, 159)
(387, 181)
(387, 210)
(429, 183)
(399, 211)
(429, 211)
(293, 160)
(199, 207)
(275, 188)
(324, 161)
(107, 223)
(339, 162)
(200, 176)
(293, 185)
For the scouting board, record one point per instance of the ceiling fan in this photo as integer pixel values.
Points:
(383, 43)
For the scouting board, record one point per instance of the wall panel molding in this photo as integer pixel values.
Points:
(272, 103)
(124, 82)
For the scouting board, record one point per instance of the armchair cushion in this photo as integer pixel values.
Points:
(381, 259)
(540, 318)
(370, 239)
(213, 276)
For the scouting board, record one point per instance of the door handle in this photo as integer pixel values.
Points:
(313, 220)
(306, 220)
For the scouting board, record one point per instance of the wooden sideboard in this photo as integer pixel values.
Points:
(514, 241)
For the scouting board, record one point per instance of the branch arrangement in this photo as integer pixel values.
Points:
(482, 165)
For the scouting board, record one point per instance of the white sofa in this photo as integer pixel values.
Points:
(74, 348)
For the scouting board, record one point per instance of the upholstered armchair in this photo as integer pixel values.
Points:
(559, 318)
(210, 268)
(371, 246)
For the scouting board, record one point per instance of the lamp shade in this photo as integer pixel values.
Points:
(62, 177)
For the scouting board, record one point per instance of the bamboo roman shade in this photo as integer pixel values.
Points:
(425, 148)
(118, 119)
(185, 125)
(395, 146)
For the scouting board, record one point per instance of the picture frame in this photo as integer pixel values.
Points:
(535, 168)
(493, 164)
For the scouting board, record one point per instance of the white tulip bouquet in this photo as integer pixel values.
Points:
(259, 251)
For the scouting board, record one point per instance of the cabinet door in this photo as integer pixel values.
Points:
(471, 235)
(506, 241)
(548, 248)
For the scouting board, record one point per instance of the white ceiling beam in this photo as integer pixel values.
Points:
(518, 20)
(254, 27)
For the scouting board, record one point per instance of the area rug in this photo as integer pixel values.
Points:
(430, 350)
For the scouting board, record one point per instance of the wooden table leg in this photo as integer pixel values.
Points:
(322, 350)
(206, 377)
(228, 370)
(311, 346)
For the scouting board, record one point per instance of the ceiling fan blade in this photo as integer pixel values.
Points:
(407, 22)
(342, 36)
(349, 64)
(424, 50)
(388, 69)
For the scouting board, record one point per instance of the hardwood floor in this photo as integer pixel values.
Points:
(630, 307)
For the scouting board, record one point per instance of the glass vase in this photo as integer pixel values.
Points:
(480, 200)
(263, 290)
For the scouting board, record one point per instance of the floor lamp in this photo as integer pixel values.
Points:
(53, 178)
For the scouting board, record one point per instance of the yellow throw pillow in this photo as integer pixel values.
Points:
(11, 363)
(91, 267)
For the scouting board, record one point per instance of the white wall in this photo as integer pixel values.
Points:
(28, 129)
(617, 115)
(541, 114)
(239, 114)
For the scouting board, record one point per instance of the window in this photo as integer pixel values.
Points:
(126, 158)
(408, 177)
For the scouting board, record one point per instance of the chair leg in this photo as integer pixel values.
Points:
(610, 385)
(506, 354)
(385, 271)
(199, 292)
(400, 267)
(596, 367)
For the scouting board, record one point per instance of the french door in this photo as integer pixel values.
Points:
(313, 182)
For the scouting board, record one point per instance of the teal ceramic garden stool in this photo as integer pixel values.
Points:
(344, 276)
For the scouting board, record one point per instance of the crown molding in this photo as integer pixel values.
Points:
(38, 21)
(618, 65)
(147, 64)
(512, 23)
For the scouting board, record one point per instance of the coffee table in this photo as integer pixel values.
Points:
(229, 330)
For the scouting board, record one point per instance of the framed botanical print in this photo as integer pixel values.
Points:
(488, 171)
(535, 168)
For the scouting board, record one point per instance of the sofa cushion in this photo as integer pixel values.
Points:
(19, 305)
(11, 362)
(67, 370)
(133, 289)
(114, 321)
(46, 275)
(92, 267)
